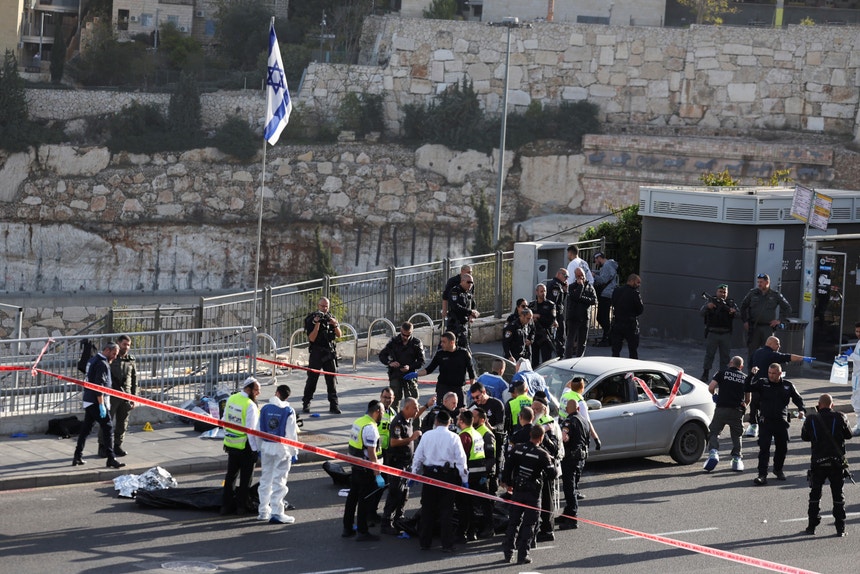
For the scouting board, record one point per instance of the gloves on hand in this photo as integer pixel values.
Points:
(380, 482)
(714, 396)
(808, 359)
(409, 483)
(466, 484)
(483, 481)
(102, 411)
(597, 444)
(410, 376)
(294, 459)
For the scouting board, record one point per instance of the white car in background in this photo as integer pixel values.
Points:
(628, 421)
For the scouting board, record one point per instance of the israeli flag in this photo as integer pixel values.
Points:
(278, 101)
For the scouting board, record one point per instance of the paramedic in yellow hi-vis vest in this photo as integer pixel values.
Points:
(241, 448)
(363, 443)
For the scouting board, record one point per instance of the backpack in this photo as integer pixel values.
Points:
(64, 427)
(88, 351)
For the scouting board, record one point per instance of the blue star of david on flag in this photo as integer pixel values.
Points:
(278, 103)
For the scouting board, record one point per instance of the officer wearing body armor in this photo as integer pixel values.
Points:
(552, 445)
(402, 355)
(518, 335)
(556, 291)
(526, 469)
(827, 430)
(401, 442)
(462, 310)
(491, 486)
(762, 310)
(574, 440)
(719, 313)
(323, 331)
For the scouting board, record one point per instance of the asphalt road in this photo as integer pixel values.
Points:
(86, 528)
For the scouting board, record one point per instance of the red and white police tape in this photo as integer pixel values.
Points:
(706, 550)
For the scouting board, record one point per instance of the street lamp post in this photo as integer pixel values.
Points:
(508, 22)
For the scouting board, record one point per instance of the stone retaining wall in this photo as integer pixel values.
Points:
(802, 77)
(76, 104)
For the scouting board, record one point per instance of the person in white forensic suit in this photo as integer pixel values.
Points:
(276, 458)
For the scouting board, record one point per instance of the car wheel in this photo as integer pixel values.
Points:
(689, 444)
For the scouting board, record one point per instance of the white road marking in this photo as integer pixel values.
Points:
(342, 570)
(667, 533)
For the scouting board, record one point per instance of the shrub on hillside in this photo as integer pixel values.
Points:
(236, 138)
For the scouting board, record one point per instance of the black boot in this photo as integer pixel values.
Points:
(814, 517)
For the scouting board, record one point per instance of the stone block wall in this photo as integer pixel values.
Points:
(215, 107)
(800, 78)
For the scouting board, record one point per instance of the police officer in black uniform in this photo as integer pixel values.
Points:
(399, 455)
(462, 310)
(827, 430)
(626, 307)
(323, 330)
(517, 336)
(527, 467)
(556, 291)
(574, 439)
(719, 314)
(403, 354)
(774, 395)
(544, 320)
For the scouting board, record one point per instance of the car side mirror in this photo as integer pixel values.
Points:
(594, 404)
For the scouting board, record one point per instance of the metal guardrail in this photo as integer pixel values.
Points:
(172, 366)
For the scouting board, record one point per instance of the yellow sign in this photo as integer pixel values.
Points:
(148, 427)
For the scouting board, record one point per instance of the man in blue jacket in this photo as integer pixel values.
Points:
(97, 405)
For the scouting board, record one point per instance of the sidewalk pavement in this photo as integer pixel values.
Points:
(39, 460)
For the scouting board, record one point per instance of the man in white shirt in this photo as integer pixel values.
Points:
(440, 456)
(574, 262)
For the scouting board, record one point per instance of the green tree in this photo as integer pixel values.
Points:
(58, 51)
(484, 232)
(242, 30)
(709, 11)
(184, 111)
(441, 10)
(623, 239)
(14, 122)
(179, 50)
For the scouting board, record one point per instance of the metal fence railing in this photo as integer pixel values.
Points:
(173, 366)
(396, 294)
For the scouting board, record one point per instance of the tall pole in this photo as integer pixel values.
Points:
(508, 23)
(260, 215)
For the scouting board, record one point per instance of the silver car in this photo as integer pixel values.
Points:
(628, 421)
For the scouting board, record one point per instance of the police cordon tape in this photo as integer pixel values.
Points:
(706, 550)
(672, 394)
(363, 377)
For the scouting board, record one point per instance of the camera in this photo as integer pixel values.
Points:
(324, 318)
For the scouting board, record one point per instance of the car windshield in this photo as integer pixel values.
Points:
(557, 378)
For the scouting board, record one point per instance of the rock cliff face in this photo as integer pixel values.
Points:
(79, 219)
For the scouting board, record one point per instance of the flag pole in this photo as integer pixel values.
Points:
(278, 108)
(260, 217)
